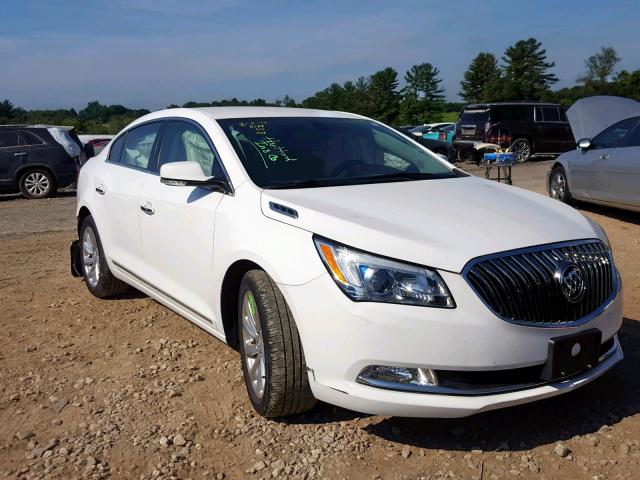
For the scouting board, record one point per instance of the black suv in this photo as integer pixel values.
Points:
(38, 160)
(527, 128)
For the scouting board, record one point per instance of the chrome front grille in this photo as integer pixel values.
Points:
(526, 286)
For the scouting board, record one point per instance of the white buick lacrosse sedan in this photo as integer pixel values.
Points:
(348, 263)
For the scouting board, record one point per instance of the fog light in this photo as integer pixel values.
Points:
(379, 375)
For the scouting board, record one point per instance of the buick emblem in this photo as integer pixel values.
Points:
(571, 281)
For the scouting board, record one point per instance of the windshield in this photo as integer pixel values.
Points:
(299, 152)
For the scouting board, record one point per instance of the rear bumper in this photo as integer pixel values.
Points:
(462, 144)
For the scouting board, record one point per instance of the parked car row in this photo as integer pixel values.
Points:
(527, 128)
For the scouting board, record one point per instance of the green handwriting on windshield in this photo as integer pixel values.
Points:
(271, 149)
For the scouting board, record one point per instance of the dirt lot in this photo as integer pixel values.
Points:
(125, 388)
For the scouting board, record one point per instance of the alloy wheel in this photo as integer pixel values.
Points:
(90, 257)
(253, 344)
(557, 185)
(521, 150)
(37, 183)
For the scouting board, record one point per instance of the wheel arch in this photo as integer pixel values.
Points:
(567, 172)
(229, 298)
(526, 136)
(83, 213)
(22, 169)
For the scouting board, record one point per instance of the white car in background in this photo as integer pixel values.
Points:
(605, 168)
(348, 263)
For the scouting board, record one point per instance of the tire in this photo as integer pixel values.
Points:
(273, 364)
(95, 270)
(468, 155)
(37, 183)
(558, 186)
(521, 149)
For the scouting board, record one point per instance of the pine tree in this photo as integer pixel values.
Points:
(481, 80)
(383, 95)
(422, 97)
(526, 71)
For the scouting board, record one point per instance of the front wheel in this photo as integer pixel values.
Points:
(558, 186)
(521, 149)
(273, 364)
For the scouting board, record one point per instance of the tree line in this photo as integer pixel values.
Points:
(523, 73)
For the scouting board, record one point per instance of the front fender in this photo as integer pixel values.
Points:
(242, 232)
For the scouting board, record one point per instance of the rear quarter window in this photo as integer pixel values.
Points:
(29, 138)
(511, 113)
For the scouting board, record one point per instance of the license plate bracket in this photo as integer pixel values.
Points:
(571, 354)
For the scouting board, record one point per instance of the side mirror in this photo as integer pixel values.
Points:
(190, 174)
(584, 144)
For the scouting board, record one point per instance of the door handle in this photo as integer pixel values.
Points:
(20, 154)
(147, 208)
(604, 157)
(100, 190)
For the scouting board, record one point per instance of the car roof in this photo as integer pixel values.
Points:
(474, 106)
(220, 113)
(25, 125)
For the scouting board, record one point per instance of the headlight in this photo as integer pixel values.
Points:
(368, 278)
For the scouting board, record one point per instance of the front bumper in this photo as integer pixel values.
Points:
(341, 338)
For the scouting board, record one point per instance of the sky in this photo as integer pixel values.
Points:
(152, 53)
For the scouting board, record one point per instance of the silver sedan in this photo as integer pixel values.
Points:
(605, 168)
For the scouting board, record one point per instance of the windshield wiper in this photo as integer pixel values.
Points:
(331, 182)
(401, 176)
(298, 184)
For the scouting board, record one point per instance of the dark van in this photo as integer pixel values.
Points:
(37, 160)
(527, 128)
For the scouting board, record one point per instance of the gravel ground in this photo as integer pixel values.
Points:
(125, 388)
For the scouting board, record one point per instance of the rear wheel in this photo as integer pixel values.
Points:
(558, 186)
(521, 149)
(273, 364)
(468, 155)
(95, 270)
(37, 183)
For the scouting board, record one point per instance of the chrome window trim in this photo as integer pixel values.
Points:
(615, 287)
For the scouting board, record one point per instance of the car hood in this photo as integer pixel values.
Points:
(438, 223)
(589, 116)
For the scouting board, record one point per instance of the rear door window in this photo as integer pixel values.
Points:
(9, 138)
(633, 140)
(138, 145)
(550, 114)
(563, 114)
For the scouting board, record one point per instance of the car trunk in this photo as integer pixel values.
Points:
(472, 124)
